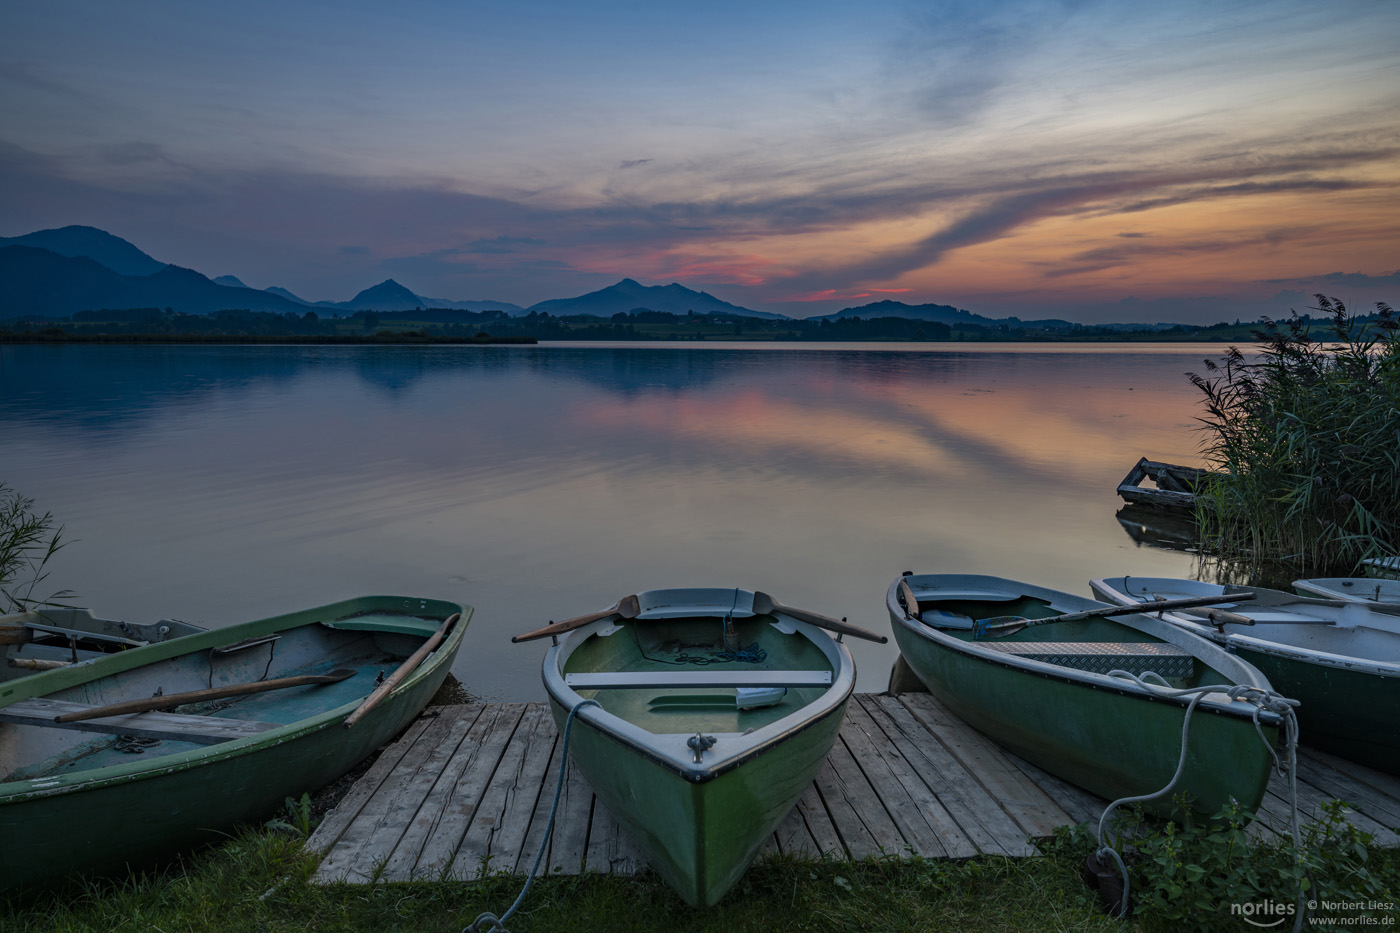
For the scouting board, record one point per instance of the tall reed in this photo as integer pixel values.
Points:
(1306, 435)
(28, 541)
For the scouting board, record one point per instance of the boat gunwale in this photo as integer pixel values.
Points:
(759, 741)
(1202, 650)
(146, 768)
(1200, 629)
(1315, 587)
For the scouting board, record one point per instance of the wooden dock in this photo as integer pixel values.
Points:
(467, 790)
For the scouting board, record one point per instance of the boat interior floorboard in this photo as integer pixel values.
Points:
(468, 789)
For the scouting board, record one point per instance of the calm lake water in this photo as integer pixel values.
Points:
(220, 484)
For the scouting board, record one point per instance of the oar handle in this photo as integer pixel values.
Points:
(197, 696)
(841, 627)
(559, 628)
(911, 605)
(1224, 617)
(404, 669)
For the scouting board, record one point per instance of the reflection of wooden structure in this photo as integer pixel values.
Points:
(1176, 486)
(1173, 530)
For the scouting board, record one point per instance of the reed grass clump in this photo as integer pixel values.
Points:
(1306, 436)
(28, 541)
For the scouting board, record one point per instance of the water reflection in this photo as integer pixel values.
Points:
(222, 483)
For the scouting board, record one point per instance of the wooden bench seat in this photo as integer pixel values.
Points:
(176, 727)
(613, 680)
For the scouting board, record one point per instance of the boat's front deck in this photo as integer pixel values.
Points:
(468, 789)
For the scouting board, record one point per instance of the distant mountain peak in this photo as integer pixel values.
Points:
(628, 295)
(98, 245)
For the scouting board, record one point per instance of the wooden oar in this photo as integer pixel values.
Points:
(763, 604)
(1001, 627)
(911, 605)
(37, 664)
(626, 608)
(196, 696)
(404, 669)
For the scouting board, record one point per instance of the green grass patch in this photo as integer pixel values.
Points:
(259, 882)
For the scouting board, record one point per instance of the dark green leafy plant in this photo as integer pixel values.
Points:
(299, 817)
(28, 541)
(1205, 875)
(1306, 436)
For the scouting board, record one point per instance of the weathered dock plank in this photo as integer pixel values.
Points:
(469, 789)
(986, 825)
(1027, 804)
(471, 768)
(333, 826)
(922, 820)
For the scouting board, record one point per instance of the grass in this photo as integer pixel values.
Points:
(1307, 437)
(259, 882)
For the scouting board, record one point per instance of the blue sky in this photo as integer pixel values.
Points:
(1097, 161)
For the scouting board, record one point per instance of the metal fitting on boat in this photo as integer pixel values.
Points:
(700, 744)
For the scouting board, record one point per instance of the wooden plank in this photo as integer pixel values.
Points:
(1082, 806)
(792, 837)
(921, 819)
(1387, 784)
(1309, 799)
(821, 829)
(538, 818)
(1027, 804)
(174, 727)
(532, 784)
(844, 791)
(610, 849)
(427, 785)
(570, 842)
(466, 778)
(334, 824)
(490, 843)
(367, 843)
(1349, 786)
(986, 825)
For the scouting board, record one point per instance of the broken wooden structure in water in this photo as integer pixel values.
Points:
(1174, 487)
(467, 790)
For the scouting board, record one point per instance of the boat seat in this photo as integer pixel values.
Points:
(177, 727)
(613, 680)
(1100, 657)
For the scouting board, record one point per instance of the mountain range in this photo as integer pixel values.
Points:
(54, 273)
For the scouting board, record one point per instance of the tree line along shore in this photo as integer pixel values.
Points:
(452, 326)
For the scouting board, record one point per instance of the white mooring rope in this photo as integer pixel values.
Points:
(1263, 700)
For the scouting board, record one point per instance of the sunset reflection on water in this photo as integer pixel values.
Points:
(221, 484)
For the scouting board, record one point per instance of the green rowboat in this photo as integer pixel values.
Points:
(1046, 692)
(54, 637)
(1339, 658)
(98, 794)
(714, 719)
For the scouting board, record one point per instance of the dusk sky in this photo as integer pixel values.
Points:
(1099, 161)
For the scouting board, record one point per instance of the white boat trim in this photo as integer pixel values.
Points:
(960, 585)
(730, 748)
(1114, 589)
